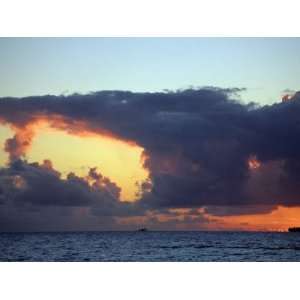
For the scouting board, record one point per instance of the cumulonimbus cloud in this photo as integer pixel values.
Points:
(197, 144)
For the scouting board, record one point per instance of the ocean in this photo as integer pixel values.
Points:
(150, 246)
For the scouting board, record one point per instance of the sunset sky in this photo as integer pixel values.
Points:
(164, 133)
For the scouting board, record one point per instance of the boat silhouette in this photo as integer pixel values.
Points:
(142, 229)
(294, 229)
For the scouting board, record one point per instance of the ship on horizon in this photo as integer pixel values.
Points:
(294, 229)
(143, 229)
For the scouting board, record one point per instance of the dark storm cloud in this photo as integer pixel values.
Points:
(197, 145)
(32, 190)
(209, 165)
(32, 183)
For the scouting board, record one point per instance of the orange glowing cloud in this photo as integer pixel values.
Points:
(18, 145)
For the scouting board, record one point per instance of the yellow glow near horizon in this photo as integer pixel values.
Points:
(118, 160)
(115, 159)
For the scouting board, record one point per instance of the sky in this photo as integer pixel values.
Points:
(167, 133)
(39, 66)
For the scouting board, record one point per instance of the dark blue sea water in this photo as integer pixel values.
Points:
(150, 246)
